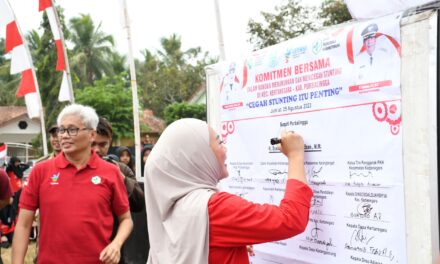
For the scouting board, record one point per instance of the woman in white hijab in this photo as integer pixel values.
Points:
(191, 222)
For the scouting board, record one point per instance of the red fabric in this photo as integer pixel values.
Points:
(350, 46)
(16, 183)
(61, 65)
(75, 211)
(235, 222)
(5, 187)
(27, 84)
(13, 37)
(43, 4)
(5, 229)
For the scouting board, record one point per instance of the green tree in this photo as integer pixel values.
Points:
(294, 19)
(177, 111)
(288, 21)
(334, 12)
(91, 52)
(8, 82)
(171, 75)
(111, 98)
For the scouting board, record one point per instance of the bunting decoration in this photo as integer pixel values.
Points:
(66, 92)
(21, 61)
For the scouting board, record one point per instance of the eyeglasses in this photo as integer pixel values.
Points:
(71, 131)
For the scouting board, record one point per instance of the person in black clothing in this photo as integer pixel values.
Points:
(15, 171)
(101, 144)
(144, 156)
(124, 155)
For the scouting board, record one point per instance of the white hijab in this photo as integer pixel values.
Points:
(181, 174)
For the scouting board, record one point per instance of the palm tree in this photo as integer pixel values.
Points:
(92, 50)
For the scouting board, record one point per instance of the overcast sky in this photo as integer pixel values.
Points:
(193, 20)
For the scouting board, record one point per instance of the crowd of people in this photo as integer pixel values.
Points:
(85, 197)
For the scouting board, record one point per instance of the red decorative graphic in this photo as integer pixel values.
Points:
(389, 112)
(231, 127)
(380, 111)
(395, 129)
(233, 105)
(350, 55)
(228, 128)
(368, 86)
(245, 75)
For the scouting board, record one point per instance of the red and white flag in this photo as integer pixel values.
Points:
(3, 150)
(65, 91)
(21, 61)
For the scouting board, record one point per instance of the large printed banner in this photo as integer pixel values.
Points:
(340, 89)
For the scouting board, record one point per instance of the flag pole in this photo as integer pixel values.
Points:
(221, 43)
(137, 133)
(41, 111)
(66, 58)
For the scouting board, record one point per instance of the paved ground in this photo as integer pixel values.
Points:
(6, 254)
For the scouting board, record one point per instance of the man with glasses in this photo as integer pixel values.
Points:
(77, 194)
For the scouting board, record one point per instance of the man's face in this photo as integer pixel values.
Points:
(54, 142)
(370, 44)
(76, 138)
(101, 144)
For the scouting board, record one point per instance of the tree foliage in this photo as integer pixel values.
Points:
(288, 21)
(177, 111)
(92, 52)
(294, 19)
(334, 12)
(111, 98)
(8, 82)
(171, 75)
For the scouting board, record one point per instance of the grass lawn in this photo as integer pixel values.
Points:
(6, 254)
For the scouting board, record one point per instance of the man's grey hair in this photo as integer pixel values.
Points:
(87, 115)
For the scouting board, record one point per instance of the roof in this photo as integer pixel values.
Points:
(9, 113)
(156, 124)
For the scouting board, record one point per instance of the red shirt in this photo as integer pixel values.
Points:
(235, 222)
(76, 208)
(16, 183)
(5, 187)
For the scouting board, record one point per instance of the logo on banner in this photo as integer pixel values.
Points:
(292, 53)
(317, 46)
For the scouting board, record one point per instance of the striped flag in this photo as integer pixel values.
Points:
(21, 61)
(66, 93)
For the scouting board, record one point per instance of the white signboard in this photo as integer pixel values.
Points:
(340, 90)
